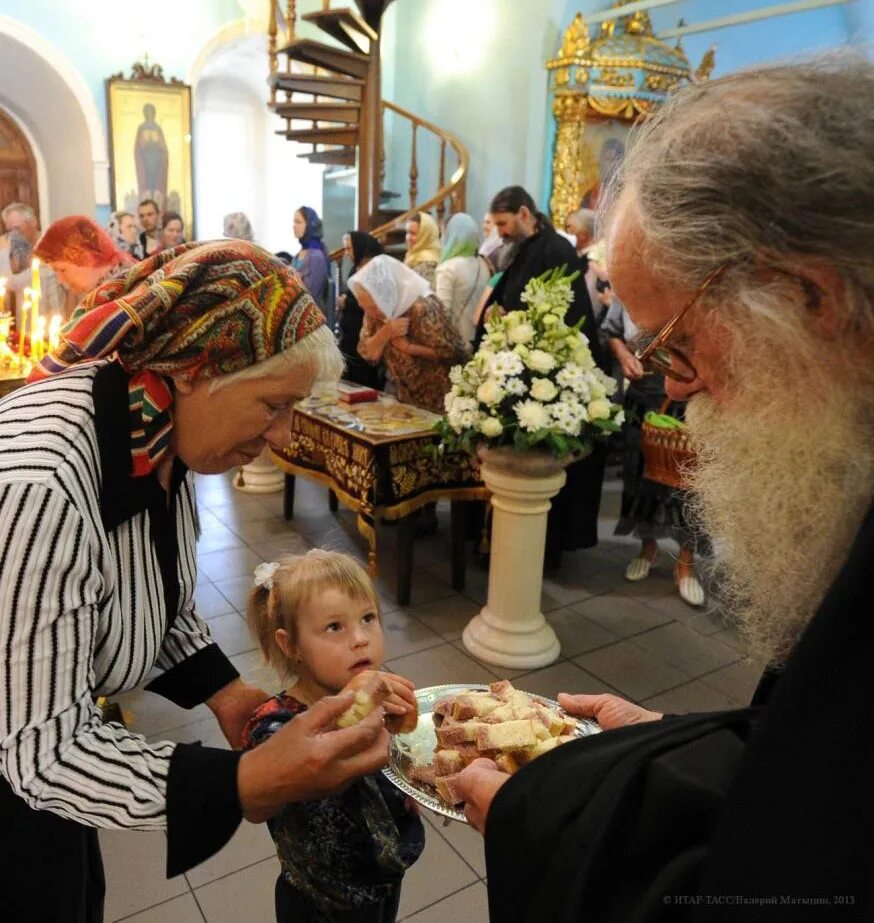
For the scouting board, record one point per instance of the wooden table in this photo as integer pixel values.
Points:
(380, 460)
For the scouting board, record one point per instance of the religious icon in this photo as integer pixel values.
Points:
(150, 147)
(606, 139)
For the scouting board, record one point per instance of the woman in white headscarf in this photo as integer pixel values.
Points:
(408, 329)
(462, 273)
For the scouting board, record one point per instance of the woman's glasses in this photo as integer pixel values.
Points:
(658, 356)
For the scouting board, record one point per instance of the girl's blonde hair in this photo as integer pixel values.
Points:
(296, 580)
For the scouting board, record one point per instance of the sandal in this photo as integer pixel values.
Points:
(639, 567)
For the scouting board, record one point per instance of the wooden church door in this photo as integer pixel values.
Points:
(17, 166)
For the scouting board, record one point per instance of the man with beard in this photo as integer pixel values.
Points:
(743, 246)
(538, 247)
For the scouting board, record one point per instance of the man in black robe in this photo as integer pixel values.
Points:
(573, 516)
(745, 250)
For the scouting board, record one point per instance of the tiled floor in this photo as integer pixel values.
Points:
(636, 639)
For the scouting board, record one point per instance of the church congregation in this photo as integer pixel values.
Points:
(460, 511)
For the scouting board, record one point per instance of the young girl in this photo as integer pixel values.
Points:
(343, 858)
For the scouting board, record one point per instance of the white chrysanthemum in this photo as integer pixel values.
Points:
(456, 374)
(491, 427)
(505, 363)
(489, 392)
(564, 419)
(521, 333)
(532, 415)
(599, 409)
(515, 386)
(540, 361)
(542, 389)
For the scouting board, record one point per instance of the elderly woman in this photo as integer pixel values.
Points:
(81, 253)
(462, 273)
(122, 228)
(238, 227)
(199, 353)
(407, 327)
(423, 246)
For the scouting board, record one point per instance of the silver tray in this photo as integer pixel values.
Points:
(417, 747)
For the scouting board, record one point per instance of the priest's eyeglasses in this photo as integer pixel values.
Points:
(658, 356)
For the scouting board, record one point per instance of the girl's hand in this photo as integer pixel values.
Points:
(399, 703)
(403, 345)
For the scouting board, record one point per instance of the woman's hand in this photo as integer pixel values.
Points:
(608, 710)
(397, 327)
(478, 783)
(233, 706)
(309, 758)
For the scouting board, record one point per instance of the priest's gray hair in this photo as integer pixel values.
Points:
(773, 165)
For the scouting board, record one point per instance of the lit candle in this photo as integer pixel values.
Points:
(38, 341)
(34, 277)
(54, 332)
(21, 327)
(34, 322)
(2, 294)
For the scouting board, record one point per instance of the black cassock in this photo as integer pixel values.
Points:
(573, 517)
(759, 814)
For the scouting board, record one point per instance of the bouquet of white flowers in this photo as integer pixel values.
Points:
(533, 382)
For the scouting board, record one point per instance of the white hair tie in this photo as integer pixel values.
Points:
(264, 575)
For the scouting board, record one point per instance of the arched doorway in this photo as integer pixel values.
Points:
(18, 176)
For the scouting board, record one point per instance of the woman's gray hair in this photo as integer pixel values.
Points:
(774, 164)
(317, 351)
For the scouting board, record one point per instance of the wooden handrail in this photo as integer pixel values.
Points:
(453, 189)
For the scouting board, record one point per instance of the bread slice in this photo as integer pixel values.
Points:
(511, 735)
(474, 705)
(369, 692)
(446, 788)
(447, 762)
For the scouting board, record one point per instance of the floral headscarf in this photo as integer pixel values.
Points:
(462, 237)
(194, 312)
(426, 248)
(113, 228)
(79, 240)
(238, 227)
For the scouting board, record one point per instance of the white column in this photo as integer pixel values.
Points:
(510, 630)
(260, 476)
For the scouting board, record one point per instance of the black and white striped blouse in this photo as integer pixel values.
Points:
(97, 577)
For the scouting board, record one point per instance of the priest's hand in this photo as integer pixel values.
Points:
(608, 710)
(478, 784)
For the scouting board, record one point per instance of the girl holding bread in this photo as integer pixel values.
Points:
(316, 618)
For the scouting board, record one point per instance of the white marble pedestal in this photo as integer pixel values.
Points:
(510, 630)
(260, 476)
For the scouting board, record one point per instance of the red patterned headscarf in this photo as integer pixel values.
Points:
(80, 241)
(197, 311)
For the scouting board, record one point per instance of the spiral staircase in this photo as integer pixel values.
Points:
(329, 95)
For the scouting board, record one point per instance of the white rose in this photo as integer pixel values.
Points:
(619, 419)
(491, 427)
(599, 410)
(596, 390)
(532, 415)
(583, 358)
(521, 333)
(540, 361)
(489, 392)
(521, 350)
(542, 389)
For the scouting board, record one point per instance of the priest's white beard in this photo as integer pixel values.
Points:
(786, 475)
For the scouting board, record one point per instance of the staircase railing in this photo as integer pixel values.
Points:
(450, 195)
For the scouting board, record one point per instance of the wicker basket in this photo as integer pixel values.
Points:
(666, 453)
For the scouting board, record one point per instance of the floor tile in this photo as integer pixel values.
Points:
(209, 602)
(439, 872)
(577, 634)
(232, 634)
(633, 671)
(290, 544)
(405, 634)
(462, 838)
(269, 529)
(693, 653)
(738, 680)
(503, 672)
(248, 846)
(690, 697)
(424, 587)
(448, 617)
(151, 715)
(236, 590)
(243, 897)
(217, 539)
(179, 910)
(222, 565)
(134, 864)
(622, 616)
(566, 676)
(732, 638)
(442, 664)
(470, 905)
(206, 732)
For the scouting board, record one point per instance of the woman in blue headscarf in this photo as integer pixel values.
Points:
(312, 260)
(462, 273)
